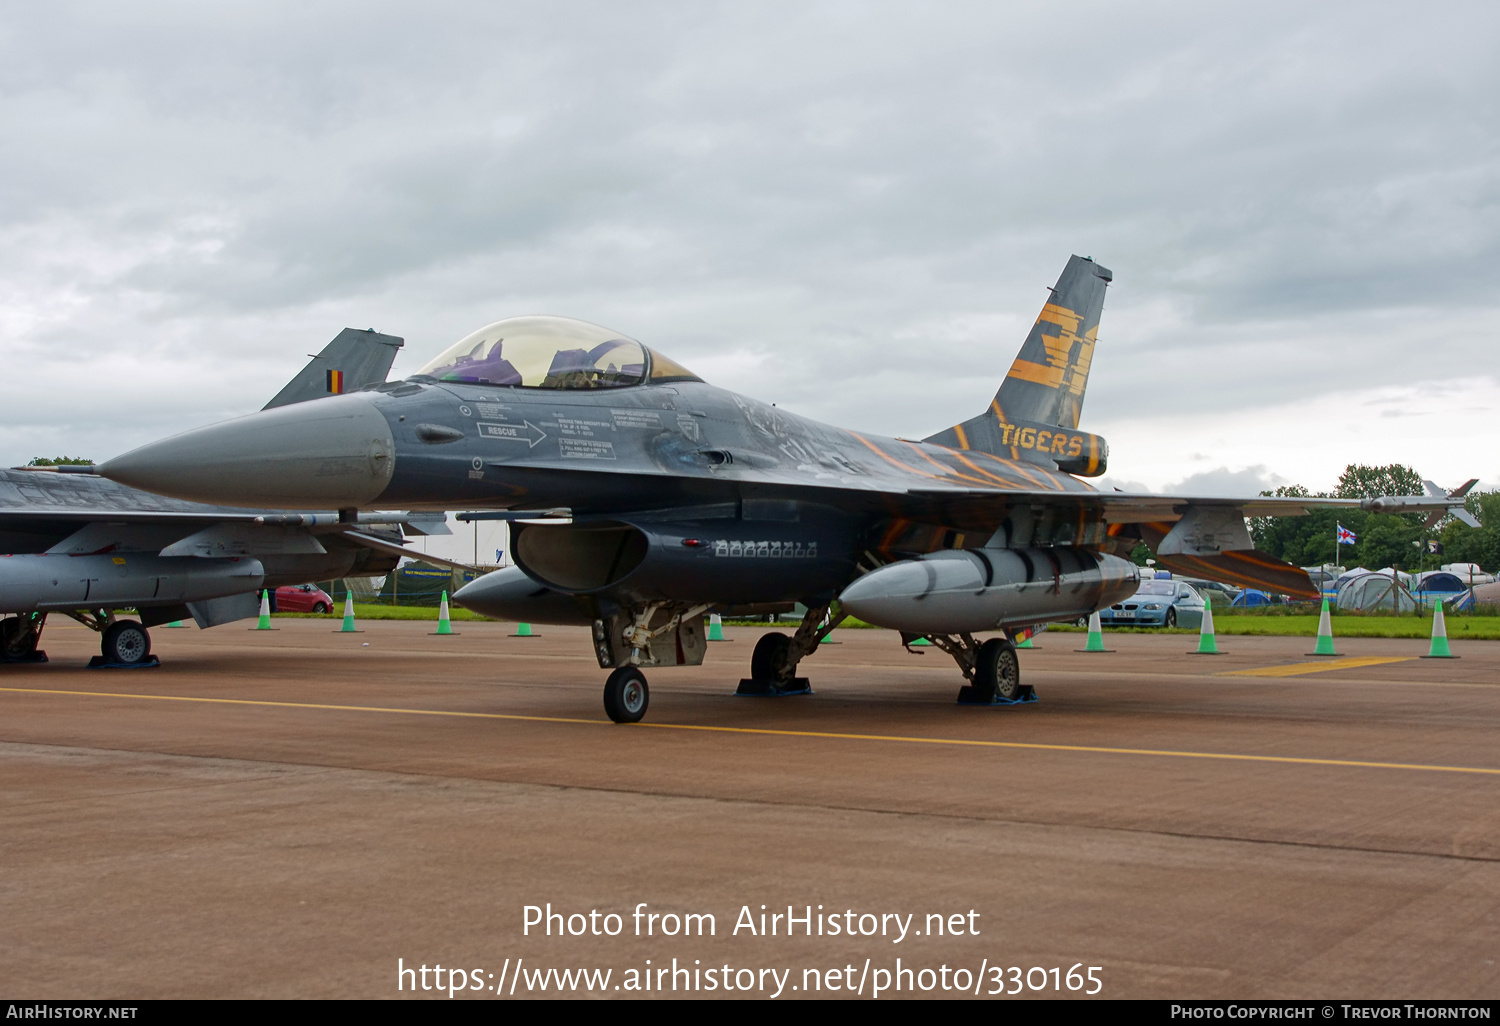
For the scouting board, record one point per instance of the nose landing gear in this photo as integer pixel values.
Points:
(626, 695)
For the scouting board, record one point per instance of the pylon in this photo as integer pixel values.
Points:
(1025, 641)
(919, 641)
(1096, 636)
(1324, 646)
(348, 627)
(176, 623)
(1207, 644)
(264, 623)
(444, 626)
(1439, 648)
(523, 630)
(716, 628)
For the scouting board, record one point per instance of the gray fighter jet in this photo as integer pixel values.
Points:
(78, 544)
(643, 497)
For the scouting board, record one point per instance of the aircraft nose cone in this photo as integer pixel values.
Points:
(335, 452)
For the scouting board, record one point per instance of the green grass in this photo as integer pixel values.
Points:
(1346, 626)
(377, 611)
(1285, 625)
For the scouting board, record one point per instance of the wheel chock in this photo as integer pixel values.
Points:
(98, 663)
(967, 696)
(752, 688)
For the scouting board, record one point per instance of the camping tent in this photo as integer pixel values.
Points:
(1381, 591)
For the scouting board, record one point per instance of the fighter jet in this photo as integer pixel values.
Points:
(80, 545)
(643, 497)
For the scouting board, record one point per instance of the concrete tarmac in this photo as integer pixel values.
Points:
(289, 813)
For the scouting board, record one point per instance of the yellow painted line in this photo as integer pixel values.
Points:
(767, 731)
(1295, 669)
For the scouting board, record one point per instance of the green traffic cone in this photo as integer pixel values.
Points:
(1439, 649)
(1207, 644)
(523, 630)
(1025, 642)
(444, 626)
(1324, 646)
(264, 624)
(176, 623)
(918, 642)
(1096, 636)
(348, 627)
(716, 628)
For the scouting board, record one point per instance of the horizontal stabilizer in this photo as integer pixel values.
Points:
(353, 360)
(1247, 568)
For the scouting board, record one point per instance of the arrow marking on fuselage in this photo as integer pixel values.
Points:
(511, 433)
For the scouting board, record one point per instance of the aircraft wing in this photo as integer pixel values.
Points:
(1198, 536)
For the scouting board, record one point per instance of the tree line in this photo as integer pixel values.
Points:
(1398, 540)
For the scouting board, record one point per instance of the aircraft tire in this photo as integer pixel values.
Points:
(772, 659)
(126, 642)
(626, 695)
(15, 641)
(997, 672)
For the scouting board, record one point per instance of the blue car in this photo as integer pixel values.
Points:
(1157, 604)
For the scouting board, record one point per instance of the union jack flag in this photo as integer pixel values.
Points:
(1346, 536)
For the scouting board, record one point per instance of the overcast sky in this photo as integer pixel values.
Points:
(850, 209)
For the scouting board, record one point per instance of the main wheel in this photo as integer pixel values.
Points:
(125, 641)
(772, 659)
(626, 695)
(997, 672)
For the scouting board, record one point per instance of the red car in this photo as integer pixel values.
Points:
(301, 598)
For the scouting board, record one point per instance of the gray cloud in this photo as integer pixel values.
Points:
(855, 207)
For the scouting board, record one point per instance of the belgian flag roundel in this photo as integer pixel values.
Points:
(336, 382)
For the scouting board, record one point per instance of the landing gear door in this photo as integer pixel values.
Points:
(684, 646)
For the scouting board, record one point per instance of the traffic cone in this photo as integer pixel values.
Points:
(716, 628)
(1025, 641)
(1325, 634)
(919, 642)
(523, 630)
(444, 626)
(176, 623)
(1096, 636)
(348, 627)
(1439, 648)
(264, 623)
(1207, 644)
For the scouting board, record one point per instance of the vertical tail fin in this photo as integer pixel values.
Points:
(1044, 388)
(353, 360)
(1045, 384)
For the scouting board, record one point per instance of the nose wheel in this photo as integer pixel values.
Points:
(626, 695)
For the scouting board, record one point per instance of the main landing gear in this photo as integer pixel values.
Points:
(19, 637)
(773, 664)
(122, 644)
(991, 667)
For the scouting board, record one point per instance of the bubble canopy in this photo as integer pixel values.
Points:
(551, 352)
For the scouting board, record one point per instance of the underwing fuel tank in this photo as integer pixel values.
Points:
(39, 582)
(964, 591)
(508, 594)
